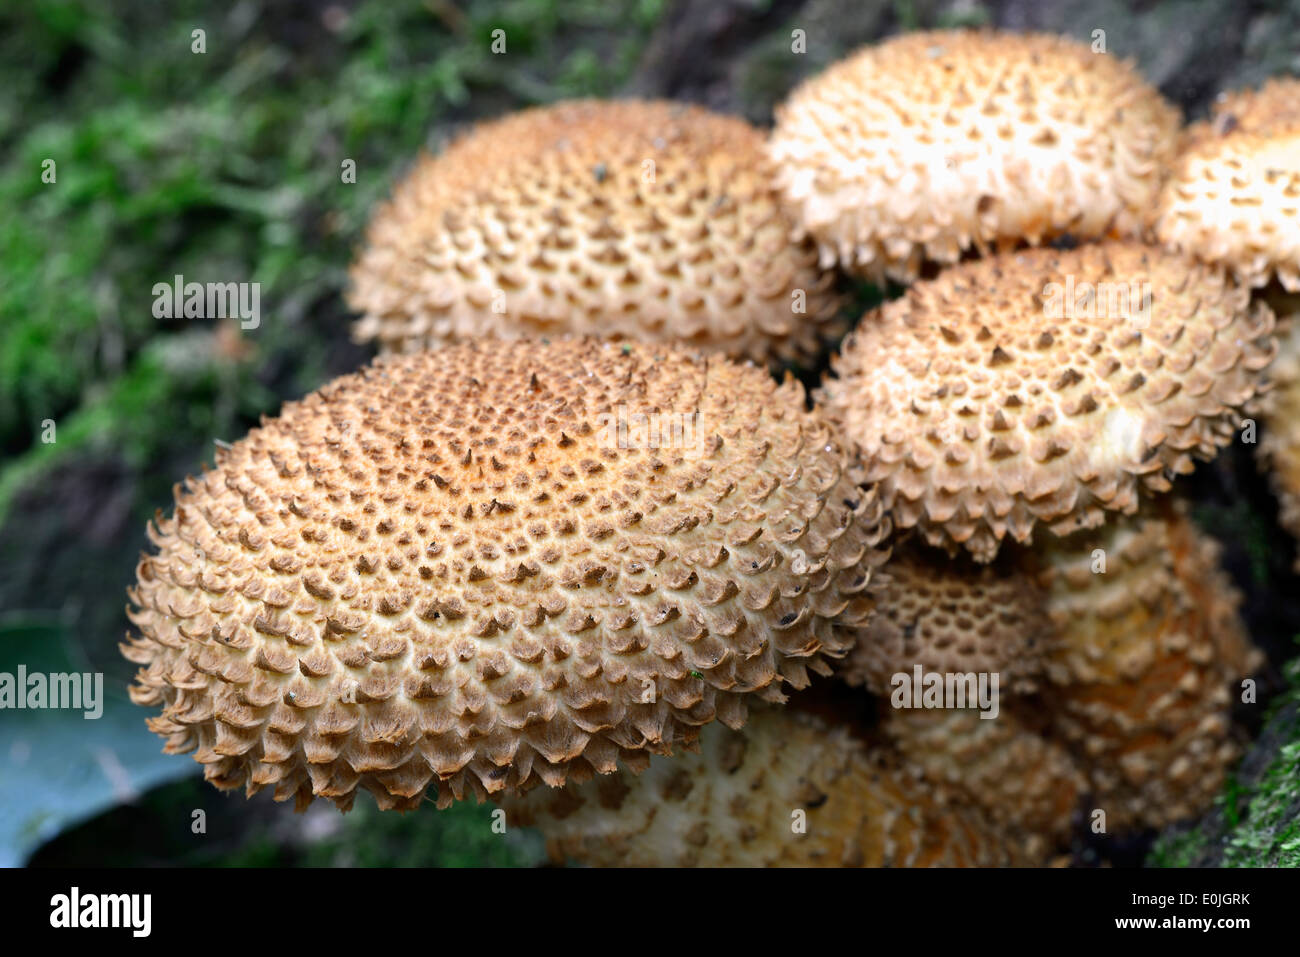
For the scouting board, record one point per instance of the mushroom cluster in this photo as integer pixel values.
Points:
(1234, 200)
(1026, 411)
(568, 546)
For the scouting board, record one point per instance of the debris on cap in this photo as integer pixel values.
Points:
(630, 220)
(1273, 107)
(932, 143)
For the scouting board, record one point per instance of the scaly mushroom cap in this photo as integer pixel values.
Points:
(635, 220)
(1234, 196)
(1275, 106)
(931, 143)
(1024, 783)
(736, 804)
(1149, 656)
(448, 567)
(950, 616)
(996, 396)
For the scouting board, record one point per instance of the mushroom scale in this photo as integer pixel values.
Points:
(736, 803)
(451, 570)
(1234, 195)
(1149, 656)
(633, 220)
(1023, 782)
(984, 403)
(1235, 200)
(931, 143)
(1275, 106)
(950, 616)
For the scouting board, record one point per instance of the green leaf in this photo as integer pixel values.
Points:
(58, 767)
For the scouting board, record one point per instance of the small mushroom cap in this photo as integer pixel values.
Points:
(733, 804)
(1234, 196)
(645, 221)
(999, 395)
(1275, 106)
(932, 143)
(1149, 656)
(952, 616)
(1024, 783)
(454, 567)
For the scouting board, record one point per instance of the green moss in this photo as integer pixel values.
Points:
(1256, 822)
(460, 836)
(1269, 834)
(225, 166)
(1180, 849)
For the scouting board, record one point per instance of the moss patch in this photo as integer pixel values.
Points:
(1256, 821)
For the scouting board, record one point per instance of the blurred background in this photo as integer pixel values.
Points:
(225, 166)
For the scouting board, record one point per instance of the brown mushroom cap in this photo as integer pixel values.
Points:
(1234, 196)
(446, 568)
(1275, 106)
(1025, 784)
(950, 616)
(735, 803)
(635, 220)
(984, 403)
(1149, 656)
(930, 143)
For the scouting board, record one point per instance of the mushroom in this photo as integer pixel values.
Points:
(1234, 196)
(1274, 106)
(1279, 440)
(455, 571)
(630, 220)
(1023, 782)
(1149, 654)
(950, 616)
(1045, 386)
(1234, 200)
(788, 789)
(933, 143)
